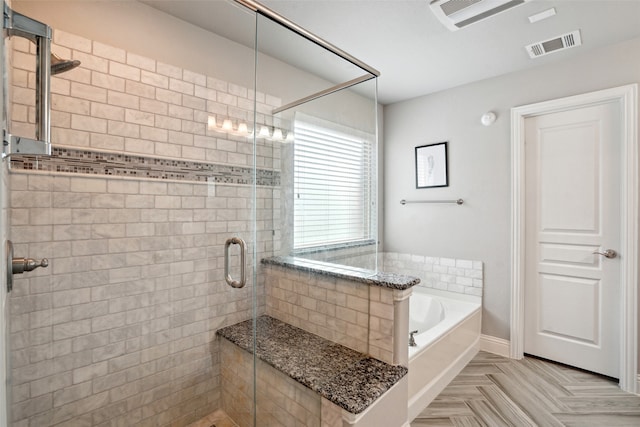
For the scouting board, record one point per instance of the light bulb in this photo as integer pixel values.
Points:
(227, 125)
(277, 134)
(264, 132)
(211, 122)
(242, 128)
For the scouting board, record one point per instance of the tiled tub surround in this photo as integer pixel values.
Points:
(344, 377)
(119, 330)
(446, 274)
(359, 309)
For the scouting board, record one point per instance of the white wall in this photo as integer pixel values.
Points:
(479, 164)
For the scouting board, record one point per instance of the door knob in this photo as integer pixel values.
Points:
(608, 253)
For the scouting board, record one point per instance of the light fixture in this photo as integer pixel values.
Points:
(227, 126)
(211, 123)
(488, 118)
(264, 132)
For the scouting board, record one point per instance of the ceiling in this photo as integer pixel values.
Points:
(416, 54)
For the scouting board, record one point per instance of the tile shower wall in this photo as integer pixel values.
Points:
(280, 400)
(119, 330)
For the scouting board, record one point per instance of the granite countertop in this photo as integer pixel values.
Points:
(350, 379)
(363, 275)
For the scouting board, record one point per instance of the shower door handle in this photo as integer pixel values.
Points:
(243, 252)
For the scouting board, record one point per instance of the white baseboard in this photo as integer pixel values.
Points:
(494, 345)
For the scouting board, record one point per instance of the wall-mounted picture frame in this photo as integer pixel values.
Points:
(431, 166)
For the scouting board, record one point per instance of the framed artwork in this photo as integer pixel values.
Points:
(431, 166)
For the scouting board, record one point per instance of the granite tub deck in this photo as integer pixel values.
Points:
(386, 280)
(345, 377)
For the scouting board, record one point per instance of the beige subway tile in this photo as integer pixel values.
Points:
(125, 71)
(194, 102)
(50, 384)
(139, 117)
(89, 216)
(227, 99)
(181, 86)
(126, 274)
(167, 122)
(87, 123)
(71, 329)
(205, 93)
(154, 188)
(123, 129)
(60, 87)
(140, 89)
(153, 106)
(101, 231)
(72, 41)
(88, 247)
(88, 92)
(193, 153)
(153, 134)
(142, 62)
(77, 75)
(123, 99)
(154, 79)
(195, 128)
(107, 200)
(108, 142)
(66, 137)
(180, 138)
(87, 373)
(109, 52)
(71, 297)
(169, 70)
(141, 146)
(89, 310)
(168, 96)
(70, 104)
(72, 393)
(32, 407)
(109, 381)
(106, 111)
(32, 199)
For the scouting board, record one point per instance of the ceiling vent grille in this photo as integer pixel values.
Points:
(456, 14)
(556, 44)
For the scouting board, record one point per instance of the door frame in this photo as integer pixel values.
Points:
(627, 96)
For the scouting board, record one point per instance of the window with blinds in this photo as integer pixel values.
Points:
(332, 185)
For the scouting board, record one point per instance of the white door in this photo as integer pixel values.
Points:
(572, 306)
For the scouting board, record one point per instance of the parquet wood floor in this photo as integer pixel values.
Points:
(494, 391)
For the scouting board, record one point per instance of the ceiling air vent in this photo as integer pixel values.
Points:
(555, 44)
(456, 14)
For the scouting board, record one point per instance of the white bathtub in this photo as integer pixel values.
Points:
(448, 337)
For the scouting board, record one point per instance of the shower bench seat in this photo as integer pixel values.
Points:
(349, 380)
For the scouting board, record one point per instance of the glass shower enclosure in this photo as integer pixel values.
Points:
(191, 144)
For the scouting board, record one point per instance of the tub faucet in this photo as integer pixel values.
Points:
(412, 340)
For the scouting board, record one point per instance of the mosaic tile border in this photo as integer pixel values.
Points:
(89, 162)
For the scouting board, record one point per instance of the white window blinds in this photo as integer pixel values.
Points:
(332, 185)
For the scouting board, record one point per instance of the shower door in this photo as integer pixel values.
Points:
(175, 169)
(153, 170)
